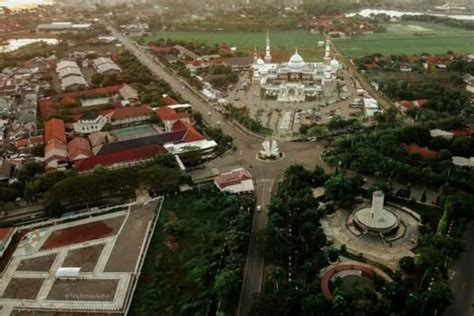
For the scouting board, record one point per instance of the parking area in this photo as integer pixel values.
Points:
(285, 118)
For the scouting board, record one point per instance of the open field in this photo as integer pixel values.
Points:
(281, 41)
(42, 263)
(410, 38)
(83, 290)
(82, 233)
(25, 289)
(84, 258)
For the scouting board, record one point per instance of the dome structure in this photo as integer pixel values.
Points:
(296, 61)
(260, 61)
(334, 62)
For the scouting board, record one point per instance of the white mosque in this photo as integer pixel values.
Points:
(295, 80)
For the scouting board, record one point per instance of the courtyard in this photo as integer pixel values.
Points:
(106, 248)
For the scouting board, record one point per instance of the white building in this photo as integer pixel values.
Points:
(296, 80)
(106, 66)
(90, 122)
(371, 107)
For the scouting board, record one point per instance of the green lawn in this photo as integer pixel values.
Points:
(281, 41)
(410, 38)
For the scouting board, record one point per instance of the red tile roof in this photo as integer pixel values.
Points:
(78, 146)
(54, 128)
(92, 92)
(168, 114)
(47, 108)
(169, 100)
(463, 132)
(122, 113)
(232, 178)
(160, 49)
(34, 140)
(192, 135)
(55, 144)
(5, 233)
(118, 157)
(423, 152)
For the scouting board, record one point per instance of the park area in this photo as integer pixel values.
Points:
(283, 43)
(410, 37)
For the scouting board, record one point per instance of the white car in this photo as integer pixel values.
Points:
(259, 208)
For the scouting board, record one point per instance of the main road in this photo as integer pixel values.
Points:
(248, 145)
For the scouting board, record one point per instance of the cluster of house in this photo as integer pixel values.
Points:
(340, 26)
(19, 90)
(459, 161)
(439, 62)
(131, 136)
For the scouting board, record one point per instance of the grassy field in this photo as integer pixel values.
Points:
(410, 38)
(283, 43)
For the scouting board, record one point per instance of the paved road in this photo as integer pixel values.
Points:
(265, 174)
(255, 262)
(462, 283)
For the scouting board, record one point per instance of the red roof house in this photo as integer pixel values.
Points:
(54, 129)
(79, 148)
(192, 135)
(169, 100)
(169, 116)
(129, 115)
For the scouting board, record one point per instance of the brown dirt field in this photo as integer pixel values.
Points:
(42, 264)
(83, 290)
(127, 248)
(85, 258)
(82, 233)
(19, 288)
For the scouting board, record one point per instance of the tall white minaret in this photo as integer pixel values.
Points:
(327, 53)
(255, 55)
(268, 55)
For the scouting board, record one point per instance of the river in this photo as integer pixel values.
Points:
(394, 13)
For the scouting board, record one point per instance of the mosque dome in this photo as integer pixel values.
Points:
(260, 61)
(334, 62)
(296, 61)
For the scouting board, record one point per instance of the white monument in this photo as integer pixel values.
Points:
(376, 219)
(270, 149)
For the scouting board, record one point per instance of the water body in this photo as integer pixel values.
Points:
(23, 4)
(394, 13)
(14, 44)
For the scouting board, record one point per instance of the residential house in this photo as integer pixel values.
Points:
(55, 151)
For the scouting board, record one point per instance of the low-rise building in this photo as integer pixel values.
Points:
(237, 181)
(129, 115)
(371, 107)
(106, 66)
(90, 122)
(79, 148)
(169, 117)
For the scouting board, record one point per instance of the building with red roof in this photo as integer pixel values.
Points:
(169, 100)
(463, 132)
(6, 235)
(29, 142)
(120, 159)
(191, 135)
(237, 181)
(129, 115)
(79, 148)
(55, 129)
(424, 152)
(169, 117)
(47, 108)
